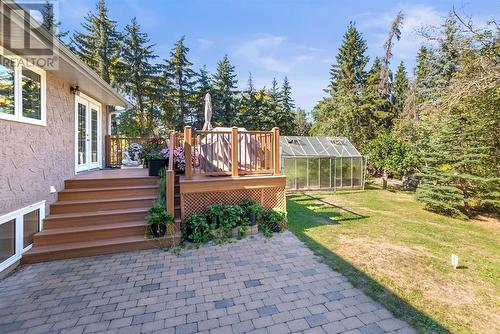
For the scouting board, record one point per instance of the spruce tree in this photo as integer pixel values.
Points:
(203, 86)
(285, 116)
(448, 53)
(248, 114)
(399, 90)
(374, 108)
(273, 113)
(99, 44)
(138, 80)
(301, 124)
(181, 78)
(49, 21)
(342, 114)
(225, 94)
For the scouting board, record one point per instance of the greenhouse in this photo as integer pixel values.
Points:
(314, 163)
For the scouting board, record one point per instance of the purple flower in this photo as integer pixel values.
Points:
(165, 152)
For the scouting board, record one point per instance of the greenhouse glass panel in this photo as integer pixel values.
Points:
(301, 173)
(338, 172)
(324, 173)
(313, 173)
(321, 162)
(357, 171)
(346, 172)
(289, 165)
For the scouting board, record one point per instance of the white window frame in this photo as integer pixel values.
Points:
(18, 216)
(19, 64)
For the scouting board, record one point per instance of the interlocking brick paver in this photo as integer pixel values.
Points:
(224, 303)
(250, 286)
(267, 310)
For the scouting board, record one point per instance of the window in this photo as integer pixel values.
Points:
(7, 239)
(22, 91)
(31, 226)
(17, 230)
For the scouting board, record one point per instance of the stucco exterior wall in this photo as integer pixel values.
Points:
(33, 157)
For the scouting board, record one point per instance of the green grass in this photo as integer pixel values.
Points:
(399, 254)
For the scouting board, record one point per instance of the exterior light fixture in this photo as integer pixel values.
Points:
(75, 90)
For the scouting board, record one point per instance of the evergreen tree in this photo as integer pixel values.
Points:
(285, 116)
(49, 21)
(342, 113)
(348, 73)
(248, 114)
(374, 107)
(399, 90)
(448, 53)
(301, 124)
(181, 78)
(138, 80)
(384, 86)
(224, 99)
(274, 111)
(99, 45)
(203, 86)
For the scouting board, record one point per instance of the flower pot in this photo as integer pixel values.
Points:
(155, 166)
(251, 218)
(158, 230)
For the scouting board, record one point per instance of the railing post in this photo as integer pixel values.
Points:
(276, 152)
(169, 191)
(107, 149)
(187, 152)
(234, 152)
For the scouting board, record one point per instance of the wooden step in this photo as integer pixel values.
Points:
(103, 193)
(95, 247)
(95, 218)
(92, 205)
(87, 233)
(111, 182)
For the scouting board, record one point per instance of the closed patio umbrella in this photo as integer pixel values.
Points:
(208, 113)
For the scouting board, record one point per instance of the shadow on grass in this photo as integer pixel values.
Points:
(323, 204)
(301, 219)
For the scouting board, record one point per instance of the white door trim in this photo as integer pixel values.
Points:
(89, 104)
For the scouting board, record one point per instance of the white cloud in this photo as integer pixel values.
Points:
(376, 25)
(275, 53)
(204, 44)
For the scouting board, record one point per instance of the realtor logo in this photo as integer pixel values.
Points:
(24, 32)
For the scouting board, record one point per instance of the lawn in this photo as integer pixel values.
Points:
(399, 254)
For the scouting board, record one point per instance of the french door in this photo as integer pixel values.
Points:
(87, 134)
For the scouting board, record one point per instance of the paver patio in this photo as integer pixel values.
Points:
(254, 285)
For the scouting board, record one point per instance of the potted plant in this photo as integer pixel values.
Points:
(156, 161)
(274, 220)
(252, 209)
(180, 160)
(197, 229)
(158, 220)
(215, 213)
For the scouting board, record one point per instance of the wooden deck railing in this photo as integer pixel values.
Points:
(115, 147)
(232, 152)
(170, 177)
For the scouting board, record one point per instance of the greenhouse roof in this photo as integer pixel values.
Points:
(300, 146)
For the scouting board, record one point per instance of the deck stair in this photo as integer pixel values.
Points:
(95, 216)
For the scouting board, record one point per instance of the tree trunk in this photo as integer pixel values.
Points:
(384, 179)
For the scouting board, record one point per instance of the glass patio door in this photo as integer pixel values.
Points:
(88, 125)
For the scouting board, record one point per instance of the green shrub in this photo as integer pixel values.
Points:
(158, 219)
(251, 207)
(197, 229)
(215, 213)
(275, 220)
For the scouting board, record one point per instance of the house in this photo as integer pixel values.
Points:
(53, 118)
(57, 198)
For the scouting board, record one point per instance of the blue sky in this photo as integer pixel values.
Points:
(277, 38)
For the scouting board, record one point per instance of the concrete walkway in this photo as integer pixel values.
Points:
(254, 285)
